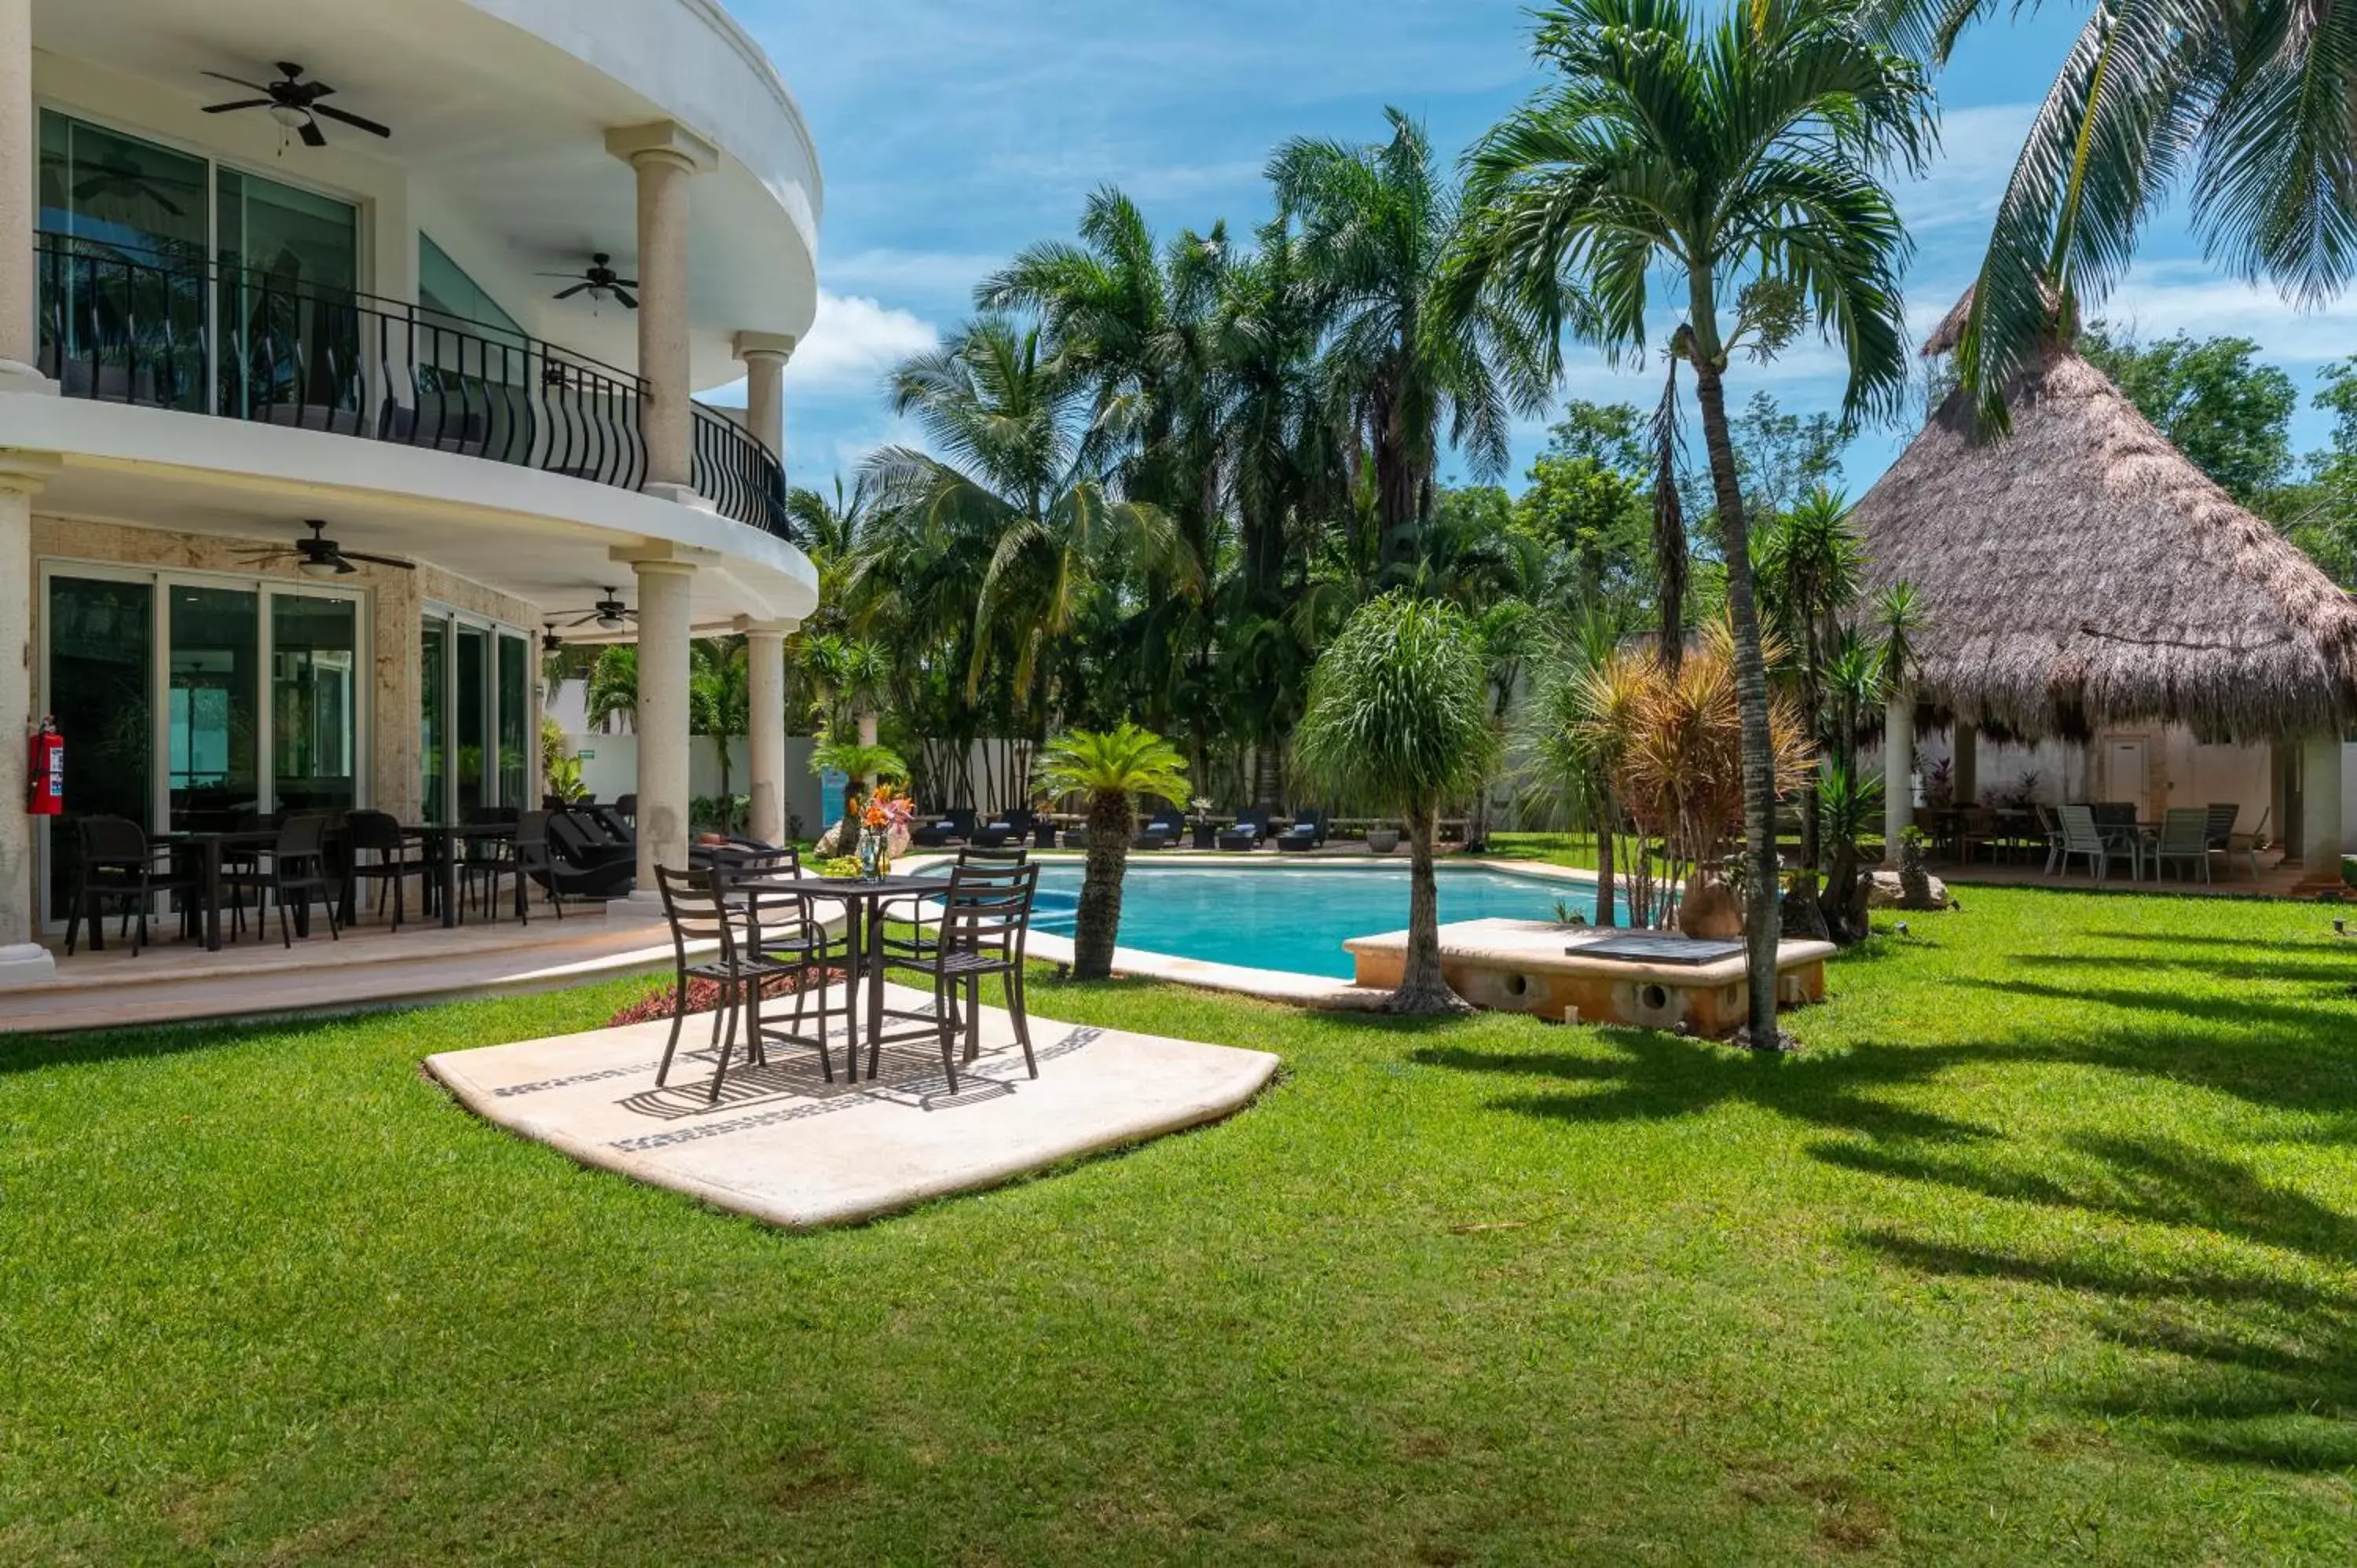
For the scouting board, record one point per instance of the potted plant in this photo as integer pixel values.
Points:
(1205, 831)
(1383, 838)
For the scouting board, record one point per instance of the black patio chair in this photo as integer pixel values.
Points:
(985, 922)
(955, 825)
(1251, 830)
(910, 912)
(1009, 827)
(1164, 828)
(297, 867)
(399, 855)
(1308, 832)
(698, 913)
(118, 867)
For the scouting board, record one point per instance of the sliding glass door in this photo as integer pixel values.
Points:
(190, 704)
(475, 722)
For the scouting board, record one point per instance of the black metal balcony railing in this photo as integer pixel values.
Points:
(245, 345)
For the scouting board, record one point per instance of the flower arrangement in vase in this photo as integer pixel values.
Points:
(883, 830)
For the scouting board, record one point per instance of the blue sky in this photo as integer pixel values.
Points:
(953, 135)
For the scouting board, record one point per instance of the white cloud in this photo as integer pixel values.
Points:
(1978, 146)
(854, 341)
(2162, 297)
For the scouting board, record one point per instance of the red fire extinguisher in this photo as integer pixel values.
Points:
(44, 771)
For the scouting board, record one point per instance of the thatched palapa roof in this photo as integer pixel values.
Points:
(2080, 573)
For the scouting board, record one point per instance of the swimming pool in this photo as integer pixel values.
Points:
(1290, 917)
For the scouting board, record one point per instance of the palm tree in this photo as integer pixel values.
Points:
(1112, 769)
(1808, 570)
(1399, 714)
(1572, 754)
(862, 763)
(1021, 471)
(613, 686)
(1739, 151)
(719, 695)
(1374, 225)
(2257, 101)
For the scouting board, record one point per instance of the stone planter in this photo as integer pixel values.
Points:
(1383, 841)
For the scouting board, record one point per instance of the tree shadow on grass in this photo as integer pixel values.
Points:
(2256, 1356)
(1657, 1077)
(2342, 973)
(2167, 941)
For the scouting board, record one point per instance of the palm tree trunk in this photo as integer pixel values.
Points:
(1422, 988)
(1096, 927)
(1762, 889)
(1605, 895)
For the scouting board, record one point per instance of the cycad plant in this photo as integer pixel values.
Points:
(1398, 714)
(863, 765)
(1111, 767)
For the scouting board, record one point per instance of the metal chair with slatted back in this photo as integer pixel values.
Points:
(698, 913)
(986, 921)
(910, 912)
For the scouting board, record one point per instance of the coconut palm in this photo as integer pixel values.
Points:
(2256, 101)
(613, 685)
(1399, 714)
(1112, 769)
(1374, 224)
(719, 694)
(1739, 151)
(1020, 469)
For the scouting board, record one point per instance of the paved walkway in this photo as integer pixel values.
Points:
(785, 1146)
(176, 981)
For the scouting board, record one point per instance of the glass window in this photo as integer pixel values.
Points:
(290, 262)
(516, 721)
(102, 692)
(444, 288)
(122, 293)
(471, 710)
(434, 737)
(314, 701)
(212, 705)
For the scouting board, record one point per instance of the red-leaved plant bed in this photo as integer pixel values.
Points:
(702, 996)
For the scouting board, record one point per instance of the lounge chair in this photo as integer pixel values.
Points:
(2184, 839)
(1251, 830)
(1162, 829)
(1007, 827)
(2080, 835)
(954, 826)
(585, 865)
(1308, 832)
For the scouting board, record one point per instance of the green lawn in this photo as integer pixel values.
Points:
(2046, 1249)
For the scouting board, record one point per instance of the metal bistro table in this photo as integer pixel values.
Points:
(448, 840)
(863, 962)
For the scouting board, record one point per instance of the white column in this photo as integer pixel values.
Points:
(2322, 844)
(665, 157)
(765, 355)
(662, 717)
(1897, 772)
(23, 961)
(765, 729)
(20, 342)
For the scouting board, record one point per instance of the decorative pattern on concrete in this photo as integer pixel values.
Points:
(784, 1145)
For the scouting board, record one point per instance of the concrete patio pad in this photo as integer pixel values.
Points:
(784, 1145)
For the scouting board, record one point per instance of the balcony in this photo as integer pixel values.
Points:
(225, 343)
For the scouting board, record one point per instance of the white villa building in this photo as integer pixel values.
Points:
(234, 318)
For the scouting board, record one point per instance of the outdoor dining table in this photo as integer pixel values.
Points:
(211, 849)
(863, 905)
(447, 840)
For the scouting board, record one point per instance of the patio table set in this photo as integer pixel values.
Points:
(2185, 838)
(305, 859)
(753, 918)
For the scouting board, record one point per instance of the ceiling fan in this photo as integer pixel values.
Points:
(609, 614)
(294, 103)
(597, 280)
(549, 641)
(320, 556)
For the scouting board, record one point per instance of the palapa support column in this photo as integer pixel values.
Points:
(2321, 841)
(1897, 772)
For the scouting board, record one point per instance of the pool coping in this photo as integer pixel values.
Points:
(1318, 991)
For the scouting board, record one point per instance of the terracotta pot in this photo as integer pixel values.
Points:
(1711, 911)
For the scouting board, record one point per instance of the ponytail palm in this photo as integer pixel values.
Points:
(1399, 714)
(1112, 769)
(1736, 150)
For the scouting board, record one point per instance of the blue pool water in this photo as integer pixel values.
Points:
(1289, 918)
